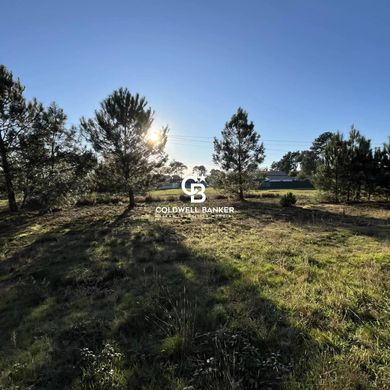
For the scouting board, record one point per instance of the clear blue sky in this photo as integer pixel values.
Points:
(299, 67)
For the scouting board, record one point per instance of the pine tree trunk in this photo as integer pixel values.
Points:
(131, 198)
(358, 192)
(8, 179)
(240, 182)
(337, 186)
(241, 193)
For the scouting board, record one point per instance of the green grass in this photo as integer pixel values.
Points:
(178, 192)
(101, 298)
(212, 191)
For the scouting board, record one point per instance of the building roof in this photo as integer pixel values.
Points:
(277, 176)
(275, 173)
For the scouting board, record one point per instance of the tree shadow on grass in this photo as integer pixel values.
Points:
(11, 224)
(303, 217)
(173, 318)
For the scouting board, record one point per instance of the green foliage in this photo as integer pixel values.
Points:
(288, 163)
(320, 143)
(106, 177)
(16, 115)
(102, 371)
(306, 160)
(119, 132)
(238, 152)
(351, 169)
(172, 173)
(52, 167)
(199, 170)
(215, 178)
(176, 170)
(288, 200)
(41, 158)
(96, 198)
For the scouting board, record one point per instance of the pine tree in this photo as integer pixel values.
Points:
(16, 115)
(331, 174)
(51, 163)
(238, 151)
(120, 130)
(288, 163)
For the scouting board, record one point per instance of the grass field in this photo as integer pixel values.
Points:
(212, 192)
(102, 298)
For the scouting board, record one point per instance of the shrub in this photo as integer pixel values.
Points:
(270, 195)
(220, 196)
(102, 370)
(288, 200)
(252, 195)
(151, 199)
(86, 201)
(97, 199)
(228, 359)
(116, 199)
(185, 198)
(34, 204)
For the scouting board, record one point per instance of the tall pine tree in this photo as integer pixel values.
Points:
(16, 116)
(120, 131)
(238, 151)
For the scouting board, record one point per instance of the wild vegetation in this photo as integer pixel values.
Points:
(239, 153)
(102, 297)
(44, 165)
(347, 170)
(119, 133)
(42, 161)
(288, 292)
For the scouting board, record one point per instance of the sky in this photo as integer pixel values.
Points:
(298, 67)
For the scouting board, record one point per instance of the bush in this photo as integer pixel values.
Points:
(220, 196)
(270, 195)
(252, 195)
(288, 200)
(185, 198)
(151, 199)
(229, 359)
(102, 370)
(98, 199)
(34, 204)
(86, 201)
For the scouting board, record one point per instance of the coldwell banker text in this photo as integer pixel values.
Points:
(193, 210)
(193, 190)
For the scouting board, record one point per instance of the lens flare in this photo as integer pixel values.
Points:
(153, 136)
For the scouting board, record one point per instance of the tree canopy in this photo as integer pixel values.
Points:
(120, 130)
(238, 151)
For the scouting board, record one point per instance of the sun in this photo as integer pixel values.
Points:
(153, 136)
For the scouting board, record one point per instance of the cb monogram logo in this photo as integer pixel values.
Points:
(196, 188)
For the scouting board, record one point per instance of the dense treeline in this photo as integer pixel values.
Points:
(40, 158)
(44, 164)
(346, 169)
(352, 169)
